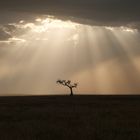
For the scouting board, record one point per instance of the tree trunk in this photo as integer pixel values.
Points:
(71, 92)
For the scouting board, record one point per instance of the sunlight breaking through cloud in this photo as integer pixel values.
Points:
(104, 60)
(122, 28)
(50, 23)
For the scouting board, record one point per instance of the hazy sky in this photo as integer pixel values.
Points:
(94, 42)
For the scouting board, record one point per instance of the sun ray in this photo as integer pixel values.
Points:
(104, 60)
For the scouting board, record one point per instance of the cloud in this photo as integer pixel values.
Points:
(96, 12)
(11, 32)
(4, 35)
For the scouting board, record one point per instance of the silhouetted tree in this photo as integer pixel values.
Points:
(68, 84)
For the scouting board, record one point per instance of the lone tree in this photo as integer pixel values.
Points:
(68, 84)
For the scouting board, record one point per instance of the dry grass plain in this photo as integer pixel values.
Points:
(70, 118)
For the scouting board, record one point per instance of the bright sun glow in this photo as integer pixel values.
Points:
(50, 28)
(51, 23)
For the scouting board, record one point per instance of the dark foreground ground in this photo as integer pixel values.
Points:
(70, 118)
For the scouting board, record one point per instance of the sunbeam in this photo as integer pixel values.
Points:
(104, 60)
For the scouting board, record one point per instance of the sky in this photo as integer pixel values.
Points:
(94, 43)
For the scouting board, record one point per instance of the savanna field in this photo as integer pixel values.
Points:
(70, 118)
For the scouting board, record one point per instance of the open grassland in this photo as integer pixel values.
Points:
(70, 118)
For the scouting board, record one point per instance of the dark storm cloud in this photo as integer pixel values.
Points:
(101, 12)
